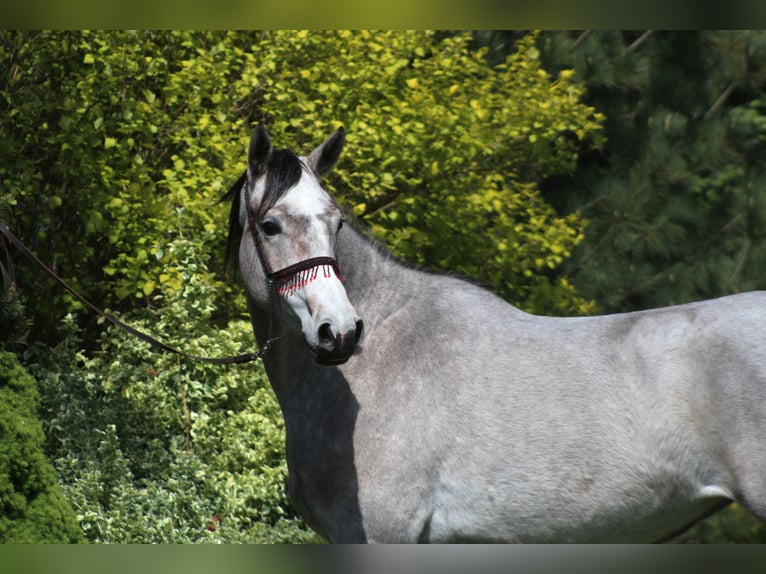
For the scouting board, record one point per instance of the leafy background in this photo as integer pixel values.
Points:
(572, 173)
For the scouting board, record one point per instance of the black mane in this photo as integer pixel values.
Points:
(283, 171)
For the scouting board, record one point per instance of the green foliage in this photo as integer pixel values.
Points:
(32, 506)
(733, 525)
(104, 135)
(152, 449)
(13, 322)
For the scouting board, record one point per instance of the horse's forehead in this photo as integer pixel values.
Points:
(306, 199)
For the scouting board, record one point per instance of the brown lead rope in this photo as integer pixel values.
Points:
(244, 358)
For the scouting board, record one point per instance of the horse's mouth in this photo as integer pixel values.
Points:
(331, 362)
(331, 359)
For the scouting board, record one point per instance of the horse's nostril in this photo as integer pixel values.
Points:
(332, 342)
(325, 334)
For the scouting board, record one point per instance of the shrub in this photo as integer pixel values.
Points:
(33, 508)
(150, 448)
(103, 135)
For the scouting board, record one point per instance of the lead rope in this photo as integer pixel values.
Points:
(234, 360)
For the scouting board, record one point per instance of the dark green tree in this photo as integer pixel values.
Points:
(675, 198)
(32, 507)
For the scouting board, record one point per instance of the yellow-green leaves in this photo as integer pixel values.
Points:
(444, 151)
(142, 132)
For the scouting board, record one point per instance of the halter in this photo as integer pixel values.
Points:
(288, 279)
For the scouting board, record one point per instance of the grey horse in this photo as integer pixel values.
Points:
(420, 407)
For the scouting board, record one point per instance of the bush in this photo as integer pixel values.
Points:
(150, 448)
(33, 507)
(444, 151)
(103, 135)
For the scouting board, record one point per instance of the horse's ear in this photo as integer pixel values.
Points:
(324, 157)
(260, 151)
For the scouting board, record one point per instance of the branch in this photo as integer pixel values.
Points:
(641, 39)
(580, 38)
(721, 99)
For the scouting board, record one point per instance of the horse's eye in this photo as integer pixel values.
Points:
(271, 228)
(340, 223)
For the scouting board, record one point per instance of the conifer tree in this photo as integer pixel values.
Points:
(675, 198)
(33, 506)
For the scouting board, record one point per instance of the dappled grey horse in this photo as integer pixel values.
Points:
(422, 408)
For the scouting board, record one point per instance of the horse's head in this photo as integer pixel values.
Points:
(287, 249)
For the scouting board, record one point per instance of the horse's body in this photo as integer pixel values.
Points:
(462, 418)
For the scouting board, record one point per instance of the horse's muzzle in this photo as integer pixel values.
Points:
(335, 347)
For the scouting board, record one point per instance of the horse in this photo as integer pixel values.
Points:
(420, 407)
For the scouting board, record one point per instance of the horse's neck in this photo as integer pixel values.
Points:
(287, 356)
(320, 405)
(375, 282)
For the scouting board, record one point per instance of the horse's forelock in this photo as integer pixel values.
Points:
(284, 170)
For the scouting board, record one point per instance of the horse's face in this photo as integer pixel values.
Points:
(295, 222)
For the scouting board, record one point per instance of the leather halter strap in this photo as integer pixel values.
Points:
(282, 278)
(285, 274)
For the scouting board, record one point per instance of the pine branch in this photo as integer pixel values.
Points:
(580, 38)
(691, 259)
(721, 99)
(641, 39)
(740, 262)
